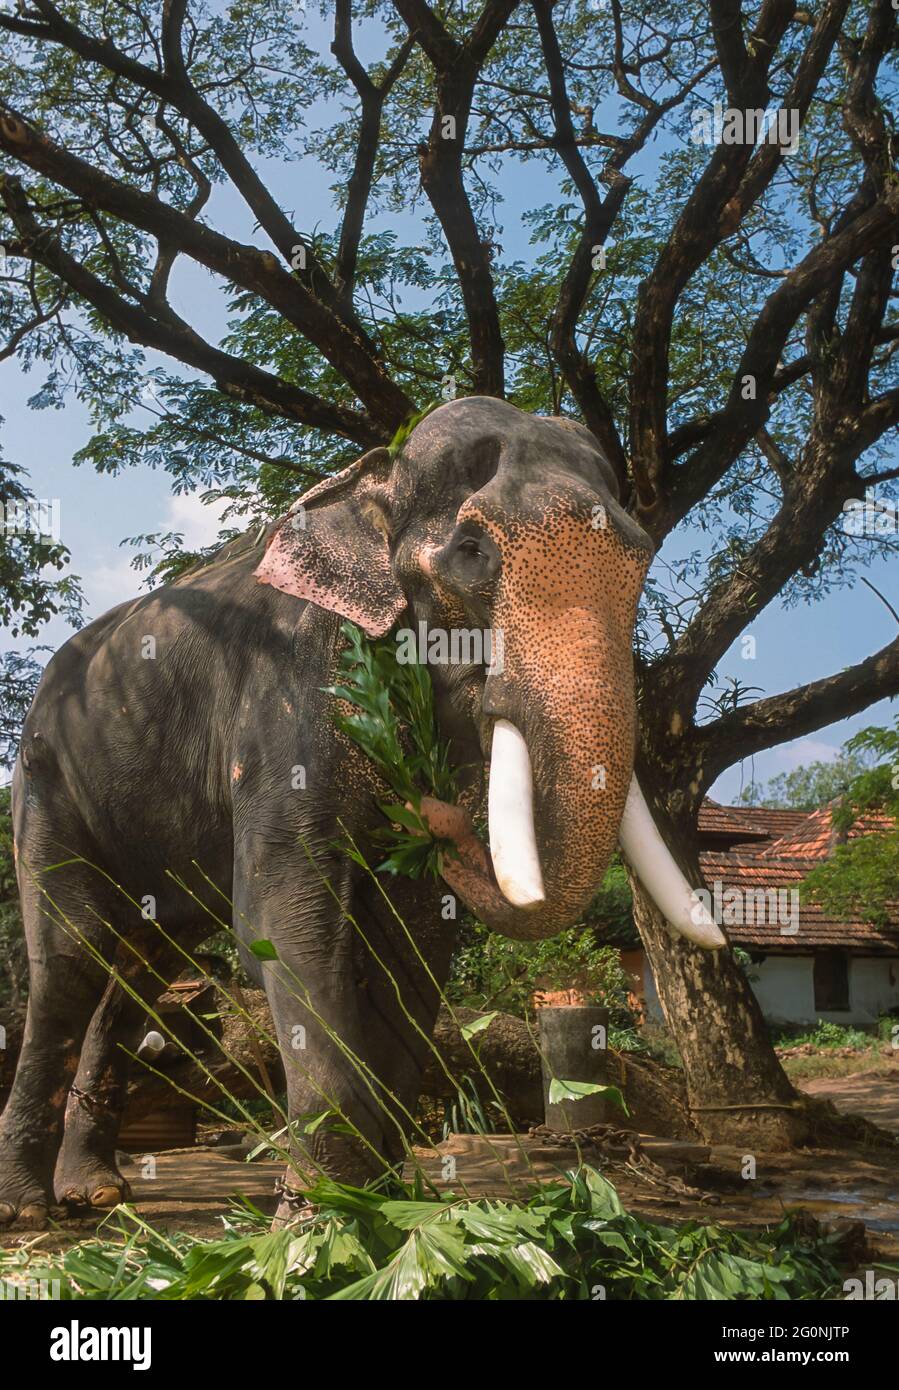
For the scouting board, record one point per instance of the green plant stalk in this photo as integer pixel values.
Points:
(252, 1124)
(72, 931)
(360, 859)
(269, 1037)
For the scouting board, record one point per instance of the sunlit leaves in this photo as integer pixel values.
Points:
(392, 720)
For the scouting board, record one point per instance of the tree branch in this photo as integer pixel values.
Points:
(234, 377)
(780, 718)
(599, 215)
(372, 100)
(175, 87)
(257, 271)
(701, 225)
(440, 162)
(741, 419)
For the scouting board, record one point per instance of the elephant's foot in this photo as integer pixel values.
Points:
(23, 1199)
(91, 1192)
(84, 1179)
(293, 1207)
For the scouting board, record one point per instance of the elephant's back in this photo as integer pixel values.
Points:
(144, 698)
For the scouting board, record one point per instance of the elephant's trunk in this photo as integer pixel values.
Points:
(564, 728)
(562, 765)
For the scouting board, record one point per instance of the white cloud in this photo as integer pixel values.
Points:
(198, 521)
(803, 752)
(109, 584)
(112, 580)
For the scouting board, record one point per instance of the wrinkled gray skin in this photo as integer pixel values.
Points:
(143, 767)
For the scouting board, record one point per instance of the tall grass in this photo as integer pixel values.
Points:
(392, 1240)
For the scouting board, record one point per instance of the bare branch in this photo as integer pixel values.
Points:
(780, 718)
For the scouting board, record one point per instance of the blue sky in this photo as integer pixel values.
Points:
(792, 645)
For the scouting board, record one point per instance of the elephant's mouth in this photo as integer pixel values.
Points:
(515, 854)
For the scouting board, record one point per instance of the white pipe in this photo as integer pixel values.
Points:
(510, 813)
(654, 866)
(152, 1046)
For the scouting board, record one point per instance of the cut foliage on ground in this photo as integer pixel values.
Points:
(570, 1241)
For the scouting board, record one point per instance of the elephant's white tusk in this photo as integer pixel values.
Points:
(510, 811)
(654, 866)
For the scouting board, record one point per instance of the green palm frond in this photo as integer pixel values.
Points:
(394, 723)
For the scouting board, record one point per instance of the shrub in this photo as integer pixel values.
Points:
(490, 971)
(827, 1035)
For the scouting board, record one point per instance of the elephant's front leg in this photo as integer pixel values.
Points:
(338, 1061)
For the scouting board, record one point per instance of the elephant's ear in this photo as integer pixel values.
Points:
(332, 547)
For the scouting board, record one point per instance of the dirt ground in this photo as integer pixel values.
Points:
(192, 1188)
(191, 1191)
(874, 1096)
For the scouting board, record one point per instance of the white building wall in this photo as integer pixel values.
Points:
(785, 988)
(873, 987)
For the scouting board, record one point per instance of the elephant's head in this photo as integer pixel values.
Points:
(494, 520)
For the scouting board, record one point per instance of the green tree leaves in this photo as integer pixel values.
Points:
(861, 877)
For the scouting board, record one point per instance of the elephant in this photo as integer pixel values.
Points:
(181, 767)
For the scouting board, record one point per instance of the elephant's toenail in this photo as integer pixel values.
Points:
(33, 1216)
(106, 1196)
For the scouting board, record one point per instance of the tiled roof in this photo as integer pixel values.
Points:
(730, 820)
(814, 839)
(773, 823)
(762, 870)
(760, 861)
(729, 826)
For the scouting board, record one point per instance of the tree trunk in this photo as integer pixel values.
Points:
(737, 1091)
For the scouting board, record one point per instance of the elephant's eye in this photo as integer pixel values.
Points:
(471, 559)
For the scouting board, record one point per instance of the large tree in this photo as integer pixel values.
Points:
(718, 314)
(34, 587)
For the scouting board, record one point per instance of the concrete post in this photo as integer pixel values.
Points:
(574, 1047)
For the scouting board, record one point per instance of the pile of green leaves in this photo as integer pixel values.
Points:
(394, 724)
(571, 1241)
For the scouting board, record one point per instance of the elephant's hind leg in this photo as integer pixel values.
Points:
(86, 1171)
(66, 983)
